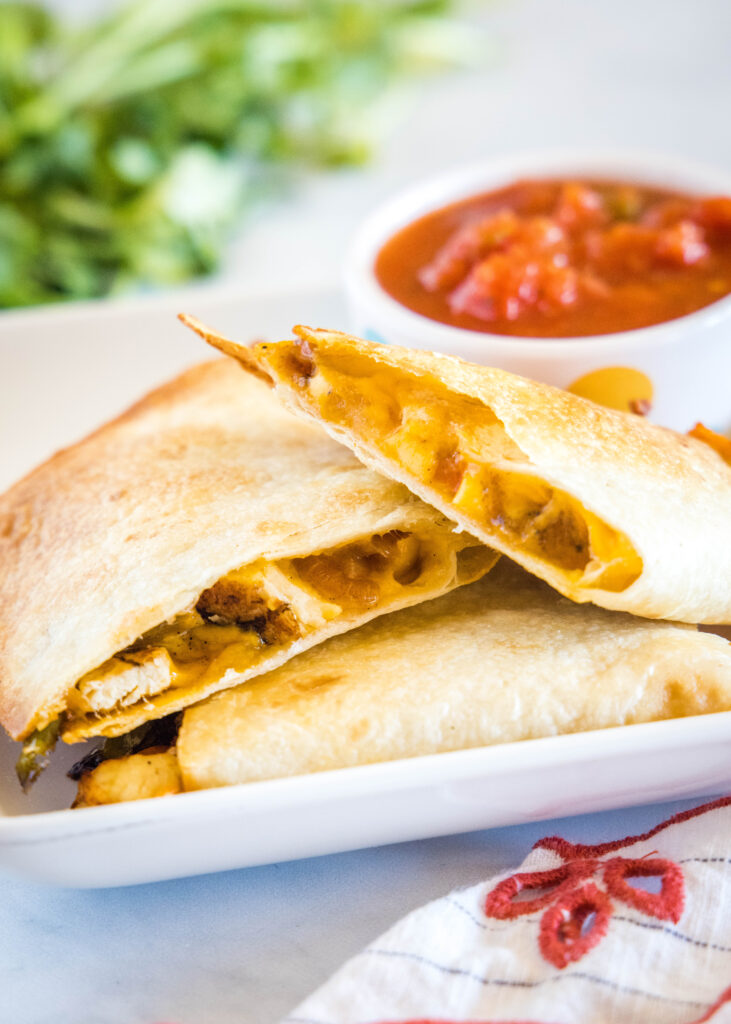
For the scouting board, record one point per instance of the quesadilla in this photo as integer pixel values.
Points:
(603, 505)
(203, 537)
(504, 659)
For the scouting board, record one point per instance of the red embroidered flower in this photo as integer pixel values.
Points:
(578, 911)
(574, 925)
(667, 905)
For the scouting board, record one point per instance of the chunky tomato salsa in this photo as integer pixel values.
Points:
(562, 258)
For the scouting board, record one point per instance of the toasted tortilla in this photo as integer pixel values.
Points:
(504, 659)
(202, 538)
(603, 505)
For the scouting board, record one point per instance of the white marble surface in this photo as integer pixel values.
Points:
(242, 947)
(245, 946)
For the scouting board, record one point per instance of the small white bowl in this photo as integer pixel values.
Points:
(688, 360)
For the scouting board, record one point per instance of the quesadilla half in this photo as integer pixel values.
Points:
(504, 659)
(203, 537)
(603, 505)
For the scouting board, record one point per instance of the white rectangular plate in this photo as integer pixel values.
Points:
(63, 372)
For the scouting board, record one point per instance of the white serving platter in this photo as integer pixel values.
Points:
(63, 372)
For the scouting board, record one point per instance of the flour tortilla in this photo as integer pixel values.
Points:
(504, 659)
(603, 505)
(124, 531)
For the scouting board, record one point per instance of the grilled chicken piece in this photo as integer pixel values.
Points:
(122, 681)
(152, 772)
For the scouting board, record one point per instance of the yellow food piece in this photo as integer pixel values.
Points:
(617, 387)
(136, 777)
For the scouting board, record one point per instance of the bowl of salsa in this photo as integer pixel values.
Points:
(609, 275)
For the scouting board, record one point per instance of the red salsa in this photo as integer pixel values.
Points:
(550, 259)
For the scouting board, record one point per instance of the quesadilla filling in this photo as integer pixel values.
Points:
(459, 448)
(152, 772)
(249, 621)
(250, 614)
(139, 764)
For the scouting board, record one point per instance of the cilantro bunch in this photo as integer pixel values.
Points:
(130, 146)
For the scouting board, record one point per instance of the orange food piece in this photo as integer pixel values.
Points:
(718, 442)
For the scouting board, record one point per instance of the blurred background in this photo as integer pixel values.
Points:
(146, 144)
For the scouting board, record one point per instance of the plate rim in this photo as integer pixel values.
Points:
(425, 770)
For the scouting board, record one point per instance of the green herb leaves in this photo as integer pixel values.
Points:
(130, 147)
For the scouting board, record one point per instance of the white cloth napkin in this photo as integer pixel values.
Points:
(636, 930)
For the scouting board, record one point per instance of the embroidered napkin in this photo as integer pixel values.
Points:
(636, 930)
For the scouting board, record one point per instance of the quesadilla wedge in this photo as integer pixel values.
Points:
(603, 505)
(504, 659)
(203, 537)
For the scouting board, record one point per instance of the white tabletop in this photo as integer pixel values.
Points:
(246, 946)
(241, 947)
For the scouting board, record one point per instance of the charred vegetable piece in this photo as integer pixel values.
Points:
(36, 752)
(162, 732)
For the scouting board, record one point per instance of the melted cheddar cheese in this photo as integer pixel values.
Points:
(456, 446)
(254, 610)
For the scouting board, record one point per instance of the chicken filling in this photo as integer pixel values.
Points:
(245, 616)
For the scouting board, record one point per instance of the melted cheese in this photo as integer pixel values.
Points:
(457, 446)
(275, 603)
